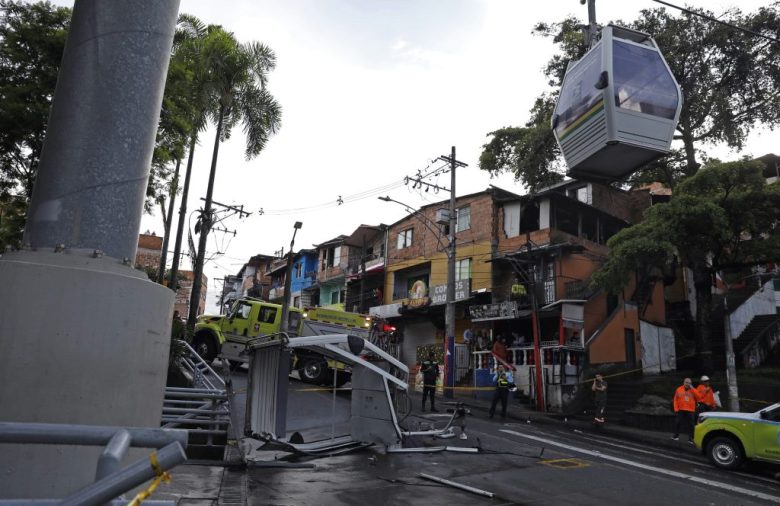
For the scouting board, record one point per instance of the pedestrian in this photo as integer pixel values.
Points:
(504, 381)
(706, 395)
(499, 348)
(430, 372)
(600, 389)
(685, 398)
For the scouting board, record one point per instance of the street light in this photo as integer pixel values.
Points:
(288, 280)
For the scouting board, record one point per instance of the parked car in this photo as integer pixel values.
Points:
(728, 439)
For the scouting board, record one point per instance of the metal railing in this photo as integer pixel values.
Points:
(111, 482)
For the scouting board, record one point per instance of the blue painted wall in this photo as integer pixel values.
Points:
(309, 261)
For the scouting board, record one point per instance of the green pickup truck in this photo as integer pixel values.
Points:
(727, 439)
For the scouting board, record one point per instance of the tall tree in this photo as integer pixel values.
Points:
(32, 39)
(239, 75)
(188, 53)
(729, 81)
(723, 217)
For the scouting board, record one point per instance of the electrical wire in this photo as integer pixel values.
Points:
(699, 14)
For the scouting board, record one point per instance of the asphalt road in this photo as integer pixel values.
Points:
(520, 463)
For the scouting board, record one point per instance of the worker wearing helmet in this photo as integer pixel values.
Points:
(706, 396)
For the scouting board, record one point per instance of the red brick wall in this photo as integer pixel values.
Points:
(429, 241)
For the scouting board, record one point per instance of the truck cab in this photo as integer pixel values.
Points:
(248, 318)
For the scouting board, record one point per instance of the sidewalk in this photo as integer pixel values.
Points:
(517, 411)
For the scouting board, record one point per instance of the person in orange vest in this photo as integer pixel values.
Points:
(706, 396)
(685, 399)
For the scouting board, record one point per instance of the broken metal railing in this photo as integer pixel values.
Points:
(111, 482)
(203, 375)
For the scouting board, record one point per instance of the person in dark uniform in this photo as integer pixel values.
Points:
(430, 372)
(504, 382)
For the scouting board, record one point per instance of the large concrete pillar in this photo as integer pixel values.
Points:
(95, 162)
(84, 337)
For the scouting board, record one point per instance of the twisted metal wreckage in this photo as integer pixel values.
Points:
(379, 388)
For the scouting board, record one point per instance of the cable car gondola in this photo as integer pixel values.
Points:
(618, 107)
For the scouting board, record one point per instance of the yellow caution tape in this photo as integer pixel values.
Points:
(161, 476)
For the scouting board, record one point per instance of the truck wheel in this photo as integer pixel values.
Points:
(725, 452)
(341, 379)
(204, 347)
(314, 370)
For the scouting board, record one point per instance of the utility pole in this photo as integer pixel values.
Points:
(288, 280)
(541, 405)
(449, 315)
(731, 366)
(207, 222)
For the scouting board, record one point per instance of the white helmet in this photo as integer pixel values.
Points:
(705, 378)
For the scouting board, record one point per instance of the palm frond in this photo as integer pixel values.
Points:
(261, 117)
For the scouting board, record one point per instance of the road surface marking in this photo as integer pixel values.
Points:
(659, 470)
(564, 463)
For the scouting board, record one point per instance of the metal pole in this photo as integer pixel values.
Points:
(333, 403)
(449, 315)
(731, 366)
(115, 451)
(118, 483)
(288, 281)
(592, 26)
(87, 435)
(541, 405)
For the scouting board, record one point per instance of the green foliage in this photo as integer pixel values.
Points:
(525, 151)
(234, 78)
(725, 216)
(32, 39)
(729, 81)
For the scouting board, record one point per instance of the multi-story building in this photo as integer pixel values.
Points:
(303, 278)
(333, 261)
(366, 267)
(548, 246)
(148, 259)
(416, 271)
(256, 276)
(149, 252)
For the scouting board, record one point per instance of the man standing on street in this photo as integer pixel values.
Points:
(600, 389)
(685, 398)
(430, 372)
(706, 396)
(504, 381)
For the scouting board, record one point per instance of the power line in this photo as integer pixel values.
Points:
(699, 14)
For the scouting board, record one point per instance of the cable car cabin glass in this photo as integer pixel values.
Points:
(618, 107)
(642, 81)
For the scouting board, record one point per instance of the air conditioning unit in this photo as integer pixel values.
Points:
(443, 216)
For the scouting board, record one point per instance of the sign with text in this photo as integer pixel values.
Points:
(462, 292)
(501, 311)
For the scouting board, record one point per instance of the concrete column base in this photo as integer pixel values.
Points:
(83, 340)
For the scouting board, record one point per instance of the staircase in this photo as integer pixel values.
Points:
(202, 409)
(759, 328)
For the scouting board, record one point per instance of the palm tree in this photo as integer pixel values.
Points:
(187, 52)
(238, 79)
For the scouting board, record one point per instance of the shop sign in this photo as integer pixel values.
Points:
(420, 302)
(501, 311)
(462, 292)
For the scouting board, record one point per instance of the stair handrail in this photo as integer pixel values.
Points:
(774, 327)
(199, 360)
(747, 310)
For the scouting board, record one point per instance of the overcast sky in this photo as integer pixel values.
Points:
(372, 91)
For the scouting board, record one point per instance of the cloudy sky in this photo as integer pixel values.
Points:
(372, 91)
